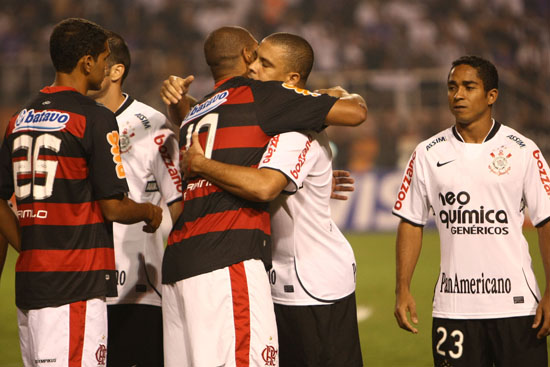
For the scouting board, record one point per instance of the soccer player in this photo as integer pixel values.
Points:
(149, 152)
(61, 157)
(313, 274)
(477, 177)
(217, 307)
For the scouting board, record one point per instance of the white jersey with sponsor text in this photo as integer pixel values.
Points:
(150, 156)
(478, 193)
(313, 263)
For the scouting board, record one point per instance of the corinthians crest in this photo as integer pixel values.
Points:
(125, 135)
(500, 164)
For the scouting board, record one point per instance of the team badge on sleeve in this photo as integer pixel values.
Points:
(113, 139)
(301, 91)
(500, 164)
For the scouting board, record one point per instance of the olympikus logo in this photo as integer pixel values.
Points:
(542, 172)
(168, 162)
(405, 184)
(272, 147)
(301, 159)
(44, 120)
(207, 106)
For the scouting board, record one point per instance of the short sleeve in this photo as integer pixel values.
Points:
(291, 154)
(166, 165)
(105, 164)
(282, 108)
(536, 186)
(412, 202)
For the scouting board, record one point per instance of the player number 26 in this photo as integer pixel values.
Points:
(32, 165)
(458, 338)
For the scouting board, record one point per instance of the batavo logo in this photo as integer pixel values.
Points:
(41, 120)
(542, 172)
(406, 184)
(113, 140)
(301, 91)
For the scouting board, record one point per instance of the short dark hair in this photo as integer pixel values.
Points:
(486, 71)
(299, 56)
(224, 46)
(119, 53)
(74, 38)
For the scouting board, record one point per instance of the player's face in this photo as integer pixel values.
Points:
(99, 69)
(269, 64)
(104, 86)
(468, 100)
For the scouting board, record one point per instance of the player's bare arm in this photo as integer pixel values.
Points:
(246, 182)
(174, 93)
(9, 225)
(341, 182)
(127, 211)
(175, 210)
(408, 246)
(542, 316)
(349, 110)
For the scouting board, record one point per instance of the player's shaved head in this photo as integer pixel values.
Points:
(298, 53)
(224, 46)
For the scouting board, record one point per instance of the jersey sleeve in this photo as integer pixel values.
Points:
(291, 154)
(166, 165)
(412, 202)
(105, 164)
(536, 186)
(283, 108)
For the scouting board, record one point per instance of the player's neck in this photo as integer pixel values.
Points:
(71, 80)
(475, 132)
(112, 98)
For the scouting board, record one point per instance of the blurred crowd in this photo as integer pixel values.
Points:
(166, 37)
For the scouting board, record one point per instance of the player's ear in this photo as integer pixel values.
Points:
(293, 79)
(86, 63)
(249, 55)
(492, 96)
(117, 71)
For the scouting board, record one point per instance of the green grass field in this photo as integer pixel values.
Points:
(384, 344)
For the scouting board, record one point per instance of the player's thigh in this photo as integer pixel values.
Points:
(321, 335)
(135, 335)
(460, 343)
(71, 333)
(515, 343)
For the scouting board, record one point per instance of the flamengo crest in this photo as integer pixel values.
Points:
(500, 164)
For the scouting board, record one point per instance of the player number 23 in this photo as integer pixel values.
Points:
(457, 336)
(33, 166)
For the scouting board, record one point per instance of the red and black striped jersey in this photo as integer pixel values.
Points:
(235, 123)
(60, 155)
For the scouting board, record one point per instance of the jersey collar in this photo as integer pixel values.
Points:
(494, 129)
(127, 102)
(56, 89)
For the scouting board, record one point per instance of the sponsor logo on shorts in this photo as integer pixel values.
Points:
(46, 360)
(101, 355)
(43, 120)
(269, 355)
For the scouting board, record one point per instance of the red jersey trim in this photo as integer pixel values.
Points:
(55, 89)
(59, 214)
(241, 313)
(240, 95)
(244, 218)
(77, 324)
(66, 260)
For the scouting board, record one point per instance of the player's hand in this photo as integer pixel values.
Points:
(542, 317)
(155, 217)
(341, 182)
(175, 88)
(191, 157)
(404, 303)
(337, 92)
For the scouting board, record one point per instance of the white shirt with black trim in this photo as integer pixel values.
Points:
(150, 156)
(478, 193)
(313, 263)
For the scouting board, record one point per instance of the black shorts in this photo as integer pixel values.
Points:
(505, 342)
(135, 336)
(319, 336)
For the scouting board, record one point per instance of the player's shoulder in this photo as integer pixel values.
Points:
(435, 143)
(519, 141)
(143, 115)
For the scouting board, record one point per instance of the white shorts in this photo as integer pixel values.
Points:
(72, 335)
(222, 318)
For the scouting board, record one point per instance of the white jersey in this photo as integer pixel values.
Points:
(313, 263)
(478, 193)
(150, 156)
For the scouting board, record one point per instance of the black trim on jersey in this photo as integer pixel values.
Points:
(59, 237)
(149, 280)
(492, 133)
(288, 180)
(529, 286)
(129, 100)
(407, 220)
(543, 222)
(170, 203)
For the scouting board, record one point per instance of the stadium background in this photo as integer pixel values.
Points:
(396, 53)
